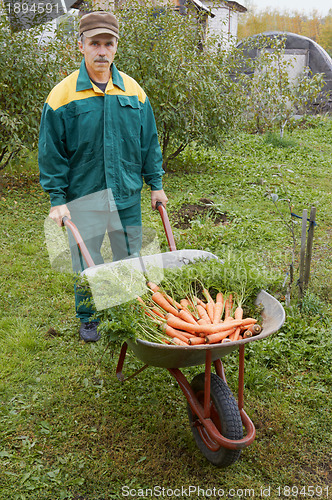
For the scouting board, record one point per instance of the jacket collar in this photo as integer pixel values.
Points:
(84, 82)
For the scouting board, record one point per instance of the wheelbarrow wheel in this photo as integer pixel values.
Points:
(225, 416)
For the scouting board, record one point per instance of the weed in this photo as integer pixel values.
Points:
(279, 142)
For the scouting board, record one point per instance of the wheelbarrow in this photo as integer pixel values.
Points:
(216, 418)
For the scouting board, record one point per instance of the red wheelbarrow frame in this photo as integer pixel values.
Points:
(203, 412)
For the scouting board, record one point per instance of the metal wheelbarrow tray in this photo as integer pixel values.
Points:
(169, 356)
(216, 418)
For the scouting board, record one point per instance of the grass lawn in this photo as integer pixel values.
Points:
(70, 430)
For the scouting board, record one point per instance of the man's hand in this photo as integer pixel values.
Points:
(57, 213)
(158, 196)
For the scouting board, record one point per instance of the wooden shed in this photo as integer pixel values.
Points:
(225, 19)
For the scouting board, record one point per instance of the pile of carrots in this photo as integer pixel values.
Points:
(193, 321)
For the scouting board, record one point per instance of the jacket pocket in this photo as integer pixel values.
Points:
(131, 181)
(129, 115)
(84, 126)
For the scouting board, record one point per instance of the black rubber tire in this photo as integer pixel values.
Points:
(224, 414)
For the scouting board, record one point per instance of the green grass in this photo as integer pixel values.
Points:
(70, 430)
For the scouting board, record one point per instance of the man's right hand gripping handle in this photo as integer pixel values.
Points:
(57, 213)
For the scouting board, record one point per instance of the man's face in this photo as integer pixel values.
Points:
(99, 52)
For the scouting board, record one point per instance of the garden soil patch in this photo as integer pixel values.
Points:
(188, 212)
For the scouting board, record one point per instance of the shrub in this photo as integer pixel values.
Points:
(29, 68)
(191, 90)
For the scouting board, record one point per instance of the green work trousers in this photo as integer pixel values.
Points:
(124, 230)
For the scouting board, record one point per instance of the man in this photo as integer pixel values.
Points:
(98, 139)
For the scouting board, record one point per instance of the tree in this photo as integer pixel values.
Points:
(191, 91)
(29, 69)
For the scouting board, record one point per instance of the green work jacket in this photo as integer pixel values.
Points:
(92, 141)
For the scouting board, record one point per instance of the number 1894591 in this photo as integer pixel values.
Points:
(32, 8)
(303, 491)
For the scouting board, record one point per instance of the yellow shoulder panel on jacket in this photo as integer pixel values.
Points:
(65, 92)
(132, 87)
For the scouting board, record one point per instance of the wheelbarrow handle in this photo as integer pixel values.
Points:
(167, 226)
(85, 252)
(79, 240)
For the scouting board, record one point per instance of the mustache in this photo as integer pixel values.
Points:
(101, 59)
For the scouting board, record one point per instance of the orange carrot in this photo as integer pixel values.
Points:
(203, 313)
(156, 288)
(153, 286)
(236, 334)
(158, 312)
(179, 324)
(199, 302)
(218, 308)
(186, 316)
(186, 305)
(172, 332)
(177, 341)
(248, 321)
(170, 299)
(217, 337)
(209, 305)
(202, 321)
(210, 310)
(196, 340)
(151, 312)
(187, 334)
(227, 309)
(230, 323)
(254, 328)
(247, 334)
(179, 333)
(238, 314)
(160, 300)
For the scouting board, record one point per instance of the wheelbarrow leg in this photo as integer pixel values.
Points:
(207, 384)
(221, 373)
(248, 424)
(119, 367)
(241, 377)
(122, 356)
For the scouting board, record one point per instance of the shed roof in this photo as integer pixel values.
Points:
(236, 6)
(226, 4)
(201, 6)
(197, 3)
